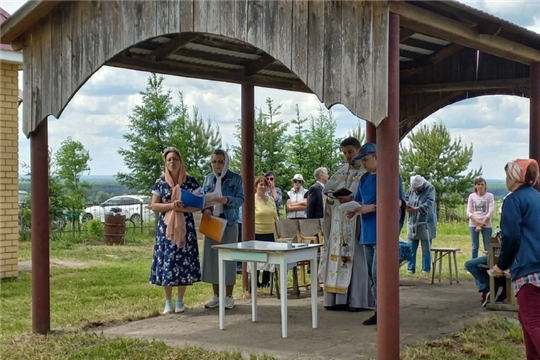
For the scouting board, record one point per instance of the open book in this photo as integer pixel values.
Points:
(190, 199)
(213, 227)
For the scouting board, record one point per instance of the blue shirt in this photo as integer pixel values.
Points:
(367, 194)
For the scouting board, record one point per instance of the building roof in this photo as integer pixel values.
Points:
(4, 15)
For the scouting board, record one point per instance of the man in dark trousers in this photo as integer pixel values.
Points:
(315, 200)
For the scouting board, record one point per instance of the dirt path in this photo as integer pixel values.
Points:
(427, 311)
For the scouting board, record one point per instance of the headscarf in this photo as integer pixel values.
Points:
(218, 209)
(517, 170)
(175, 221)
(417, 181)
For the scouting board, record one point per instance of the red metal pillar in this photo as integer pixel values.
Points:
(248, 169)
(534, 121)
(39, 162)
(387, 210)
(371, 132)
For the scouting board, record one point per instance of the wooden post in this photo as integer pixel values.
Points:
(388, 209)
(248, 169)
(534, 121)
(39, 162)
(371, 132)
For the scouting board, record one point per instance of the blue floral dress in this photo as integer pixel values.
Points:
(172, 266)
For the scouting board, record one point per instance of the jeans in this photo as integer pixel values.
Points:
(529, 315)
(475, 239)
(371, 261)
(481, 276)
(426, 255)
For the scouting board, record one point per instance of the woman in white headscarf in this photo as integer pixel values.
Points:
(422, 221)
(230, 188)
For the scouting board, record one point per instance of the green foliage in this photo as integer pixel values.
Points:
(95, 229)
(358, 133)
(157, 124)
(442, 160)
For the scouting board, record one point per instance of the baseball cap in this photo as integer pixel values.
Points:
(366, 149)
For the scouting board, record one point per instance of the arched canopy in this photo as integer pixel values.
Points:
(334, 49)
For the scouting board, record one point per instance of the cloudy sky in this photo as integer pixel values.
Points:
(100, 108)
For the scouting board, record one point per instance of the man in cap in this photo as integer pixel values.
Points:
(297, 199)
(366, 196)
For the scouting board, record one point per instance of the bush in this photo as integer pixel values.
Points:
(95, 229)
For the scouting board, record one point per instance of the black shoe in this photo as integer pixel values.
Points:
(355, 309)
(371, 320)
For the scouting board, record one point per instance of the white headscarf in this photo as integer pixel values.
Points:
(218, 209)
(417, 181)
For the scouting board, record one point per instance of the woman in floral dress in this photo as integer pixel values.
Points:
(176, 254)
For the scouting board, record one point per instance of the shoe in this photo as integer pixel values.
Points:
(229, 303)
(371, 320)
(340, 307)
(410, 272)
(213, 303)
(485, 298)
(356, 309)
(167, 309)
(424, 272)
(179, 308)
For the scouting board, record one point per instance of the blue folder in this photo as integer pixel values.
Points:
(191, 200)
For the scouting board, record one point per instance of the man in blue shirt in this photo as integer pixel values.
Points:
(366, 196)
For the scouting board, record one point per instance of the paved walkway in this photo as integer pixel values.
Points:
(427, 311)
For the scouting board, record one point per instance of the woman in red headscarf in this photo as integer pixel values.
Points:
(520, 247)
(176, 253)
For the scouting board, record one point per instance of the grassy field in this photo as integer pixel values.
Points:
(115, 289)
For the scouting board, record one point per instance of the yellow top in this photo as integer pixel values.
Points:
(265, 215)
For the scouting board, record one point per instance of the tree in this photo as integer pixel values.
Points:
(358, 133)
(157, 124)
(297, 149)
(72, 160)
(270, 145)
(442, 160)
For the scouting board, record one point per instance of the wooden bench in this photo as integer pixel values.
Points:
(438, 256)
(510, 302)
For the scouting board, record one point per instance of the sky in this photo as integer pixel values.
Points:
(101, 107)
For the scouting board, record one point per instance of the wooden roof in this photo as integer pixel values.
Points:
(448, 51)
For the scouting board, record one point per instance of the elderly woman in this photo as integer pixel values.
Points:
(422, 221)
(176, 253)
(229, 187)
(265, 215)
(520, 247)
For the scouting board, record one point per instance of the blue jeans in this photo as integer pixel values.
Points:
(371, 261)
(426, 255)
(475, 239)
(481, 276)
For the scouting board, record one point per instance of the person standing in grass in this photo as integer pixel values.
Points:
(230, 187)
(520, 247)
(175, 260)
(480, 207)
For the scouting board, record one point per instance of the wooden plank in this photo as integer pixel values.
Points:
(269, 35)
(46, 63)
(283, 34)
(76, 45)
(172, 16)
(213, 20)
(364, 59)
(200, 15)
(299, 56)
(97, 16)
(349, 52)
(254, 28)
(316, 45)
(28, 103)
(146, 11)
(186, 15)
(57, 60)
(332, 58)
(171, 46)
(130, 23)
(465, 86)
(36, 11)
(241, 20)
(88, 32)
(228, 20)
(37, 81)
(434, 59)
(379, 100)
(67, 49)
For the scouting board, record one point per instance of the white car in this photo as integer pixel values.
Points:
(133, 206)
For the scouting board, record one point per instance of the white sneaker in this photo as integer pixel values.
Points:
(179, 308)
(213, 303)
(229, 302)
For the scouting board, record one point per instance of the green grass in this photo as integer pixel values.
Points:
(115, 289)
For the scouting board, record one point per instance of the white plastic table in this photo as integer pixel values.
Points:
(255, 251)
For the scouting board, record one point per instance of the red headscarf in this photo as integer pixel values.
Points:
(517, 170)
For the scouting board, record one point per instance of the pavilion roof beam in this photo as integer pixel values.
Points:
(171, 46)
(425, 21)
(464, 86)
(258, 65)
(426, 63)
